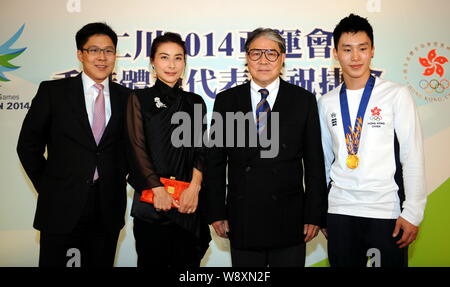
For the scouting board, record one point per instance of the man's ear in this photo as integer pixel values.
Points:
(335, 53)
(80, 55)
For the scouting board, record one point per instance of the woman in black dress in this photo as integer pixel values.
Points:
(167, 232)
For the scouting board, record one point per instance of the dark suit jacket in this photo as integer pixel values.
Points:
(266, 204)
(58, 121)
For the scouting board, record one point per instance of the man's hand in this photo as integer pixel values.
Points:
(162, 200)
(310, 231)
(409, 232)
(221, 228)
(189, 199)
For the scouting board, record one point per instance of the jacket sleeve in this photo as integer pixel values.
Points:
(199, 145)
(216, 165)
(313, 160)
(34, 135)
(142, 172)
(411, 156)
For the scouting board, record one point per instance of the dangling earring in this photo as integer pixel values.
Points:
(153, 74)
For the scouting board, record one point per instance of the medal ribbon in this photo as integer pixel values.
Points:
(352, 136)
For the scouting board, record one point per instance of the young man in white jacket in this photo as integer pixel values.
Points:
(374, 162)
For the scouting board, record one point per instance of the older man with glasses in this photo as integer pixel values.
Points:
(265, 210)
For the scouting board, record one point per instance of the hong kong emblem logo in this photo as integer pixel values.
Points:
(376, 114)
(426, 71)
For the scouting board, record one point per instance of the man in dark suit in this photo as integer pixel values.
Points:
(265, 210)
(81, 184)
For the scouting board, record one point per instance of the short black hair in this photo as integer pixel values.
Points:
(91, 29)
(352, 24)
(167, 37)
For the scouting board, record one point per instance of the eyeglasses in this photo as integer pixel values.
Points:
(256, 54)
(95, 51)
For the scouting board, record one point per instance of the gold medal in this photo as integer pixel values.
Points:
(352, 161)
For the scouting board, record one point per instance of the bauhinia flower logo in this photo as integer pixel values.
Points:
(426, 77)
(433, 64)
(375, 111)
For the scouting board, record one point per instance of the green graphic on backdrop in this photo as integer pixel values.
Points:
(432, 248)
(7, 54)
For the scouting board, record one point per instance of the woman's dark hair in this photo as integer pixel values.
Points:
(352, 24)
(168, 37)
(91, 29)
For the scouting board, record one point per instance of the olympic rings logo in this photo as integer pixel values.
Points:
(434, 85)
(376, 118)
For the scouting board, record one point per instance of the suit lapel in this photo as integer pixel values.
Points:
(245, 103)
(115, 106)
(78, 104)
(281, 104)
(281, 96)
(244, 100)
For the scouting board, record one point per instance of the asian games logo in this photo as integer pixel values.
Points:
(7, 54)
(425, 71)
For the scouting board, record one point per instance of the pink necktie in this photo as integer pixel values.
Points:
(99, 119)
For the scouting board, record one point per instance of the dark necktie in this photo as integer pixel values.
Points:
(262, 111)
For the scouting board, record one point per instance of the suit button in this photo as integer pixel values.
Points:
(274, 197)
(284, 146)
(97, 153)
(247, 169)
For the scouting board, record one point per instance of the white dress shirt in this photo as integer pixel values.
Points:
(91, 93)
(256, 96)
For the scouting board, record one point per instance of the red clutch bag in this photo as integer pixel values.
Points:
(172, 186)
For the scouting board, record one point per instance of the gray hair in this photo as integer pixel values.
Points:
(267, 33)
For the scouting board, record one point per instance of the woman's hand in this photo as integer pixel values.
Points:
(189, 198)
(162, 199)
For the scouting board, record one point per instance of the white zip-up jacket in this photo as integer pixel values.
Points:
(371, 190)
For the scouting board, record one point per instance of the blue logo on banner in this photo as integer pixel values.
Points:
(7, 54)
